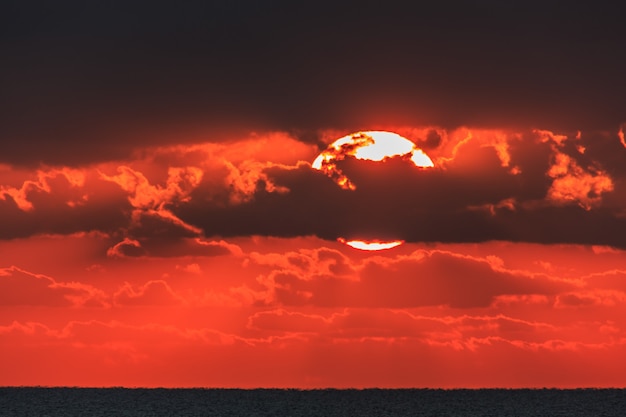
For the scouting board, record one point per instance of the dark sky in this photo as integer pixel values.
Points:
(86, 81)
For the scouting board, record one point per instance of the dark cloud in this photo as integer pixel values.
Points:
(90, 81)
(64, 201)
(58, 207)
(541, 195)
(486, 185)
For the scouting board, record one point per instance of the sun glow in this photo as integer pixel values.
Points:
(372, 146)
(371, 245)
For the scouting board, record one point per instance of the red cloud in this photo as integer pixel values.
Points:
(96, 333)
(29, 329)
(398, 324)
(320, 261)
(282, 320)
(156, 292)
(20, 287)
(172, 247)
(590, 298)
(422, 279)
(613, 279)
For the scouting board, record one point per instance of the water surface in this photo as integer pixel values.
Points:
(69, 402)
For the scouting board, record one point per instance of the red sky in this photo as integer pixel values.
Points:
(106, 280)
(161, 224)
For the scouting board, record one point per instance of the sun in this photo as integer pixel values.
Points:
(372, 146)
(371, 245)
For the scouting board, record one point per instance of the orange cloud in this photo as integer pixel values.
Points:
(127, 247)
(244, 179)
(571, 183)
(150, 201)
(469, 141)
(48, 181)
(180, 182)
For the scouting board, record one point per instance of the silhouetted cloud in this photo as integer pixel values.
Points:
(487, 184)
(535, 187)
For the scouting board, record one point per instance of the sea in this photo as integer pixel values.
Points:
(131, 402)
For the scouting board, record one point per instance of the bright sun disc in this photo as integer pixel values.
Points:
(372, 146)
(371, 245)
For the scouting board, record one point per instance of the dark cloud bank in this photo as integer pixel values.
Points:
(473, 198)
(548, 191)
(86, 81)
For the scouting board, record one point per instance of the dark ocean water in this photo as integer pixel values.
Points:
(327, 403)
